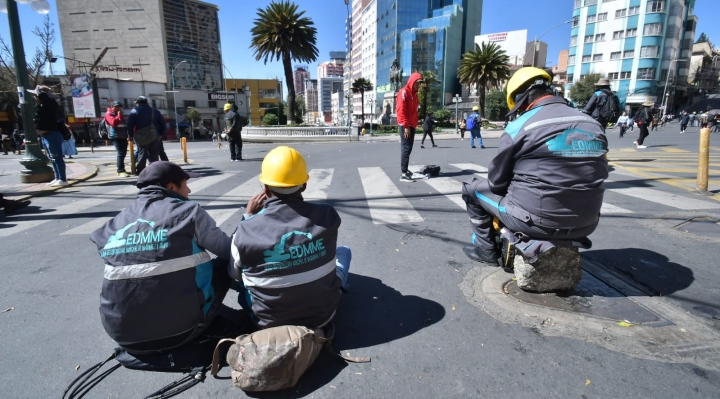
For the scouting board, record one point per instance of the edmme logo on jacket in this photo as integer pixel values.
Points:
(150, 240)
(576, 143)
(297, 254)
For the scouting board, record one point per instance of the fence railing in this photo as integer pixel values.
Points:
(284, 131)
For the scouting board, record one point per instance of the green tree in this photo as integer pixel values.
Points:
(428, 88)
(271, 119)
(702, 38)
(581, 91)
(281, 33)
(496, 105)
(442, 116)
(486, 67)
(361, 85)
(194, 116)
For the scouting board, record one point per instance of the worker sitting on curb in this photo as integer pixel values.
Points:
(284, 249)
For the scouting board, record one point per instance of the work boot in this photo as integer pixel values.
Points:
(482, 255)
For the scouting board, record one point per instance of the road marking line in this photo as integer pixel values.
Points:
(195, 185)
(233, 201)
(662, 197)
(609, 209)
(385, 201)
(673, 150)
(449, 187)
(318, 185)
(479, 170)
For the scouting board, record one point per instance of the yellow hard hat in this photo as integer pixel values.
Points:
(227, 106)
(476, 108)
(284, 167)
(519, 80)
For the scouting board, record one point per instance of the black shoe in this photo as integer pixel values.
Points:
(473, 146)
(407, 177)
(421, 146)
(434, 145)
(10, 206)
(482, 255)
(482, 146)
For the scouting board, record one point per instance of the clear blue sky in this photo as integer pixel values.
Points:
(236, 18)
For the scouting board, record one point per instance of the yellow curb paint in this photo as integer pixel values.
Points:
(673, 149)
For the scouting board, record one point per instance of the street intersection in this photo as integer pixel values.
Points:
(435, 324)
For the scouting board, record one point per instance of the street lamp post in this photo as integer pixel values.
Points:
(371, 103)
(349, 97)
(457, 99)
(537, 40)
(172, 76)
(667, 81)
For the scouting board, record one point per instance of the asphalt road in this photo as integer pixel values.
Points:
(407, 308)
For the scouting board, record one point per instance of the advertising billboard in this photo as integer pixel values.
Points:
(82, 95)
(513, 42)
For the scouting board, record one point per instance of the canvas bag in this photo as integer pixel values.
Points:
(143, 137)
(274, 358)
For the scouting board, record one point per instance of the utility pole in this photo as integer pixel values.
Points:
(457, 99)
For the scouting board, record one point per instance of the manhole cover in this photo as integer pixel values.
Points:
(593, 297)
(705, 226)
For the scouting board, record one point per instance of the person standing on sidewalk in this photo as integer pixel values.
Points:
(462, 126)
(117, 133)
(47, 115)
(474, 121)
(684, 121)
(428, 127)
(406, 109)
(643, 118)
(233, 129)
(140, 117)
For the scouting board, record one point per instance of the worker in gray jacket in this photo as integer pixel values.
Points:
(284, 251)
(546, 179)
(161, 288)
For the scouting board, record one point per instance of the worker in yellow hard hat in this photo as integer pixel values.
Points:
(233, 129)
(284, 250)
(546, 179)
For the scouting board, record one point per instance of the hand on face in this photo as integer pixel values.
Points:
(256, 203)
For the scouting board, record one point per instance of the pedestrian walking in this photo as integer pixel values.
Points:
(214, 137)
(428, 127)
(145, 120)
(233, 128)
(47, 115)
(18, 139)
(406, 109)
(692, 118)
(603, 105)
(631, 124)
(117, 133)
(623, 123)
(684, 119)
(474, 121)
(643, 118)
(6, 142)
(68, 146)
(462, 125)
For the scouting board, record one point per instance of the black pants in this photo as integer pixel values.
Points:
(462, 133)
(623, 128)
(406, 145)
(121, 147)
(425, 134)
(161, 151)
(235, 143)
(148, 154)
(643, 133)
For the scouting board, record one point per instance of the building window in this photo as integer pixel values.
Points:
(618, 34)
(585, 58)
(629, 54)
(633, 10)
(652, 29)
(600, 37)
(613, 75)
(646, 73)
(212, 104)
(582, 77)
(591, 18)
(590, 2)
(631, 32)
(615, 55)
(649, 51)
(588, 39)
(576, 22)
(655, 6)
(620, 13)
(570, 78)
(625, 75)
(602, 17)
(188, 103)
(578, 4)
(571, 60)
(573, 41)
(663, 74)
(597, 57)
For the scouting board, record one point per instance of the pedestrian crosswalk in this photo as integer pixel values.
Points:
(385, 199)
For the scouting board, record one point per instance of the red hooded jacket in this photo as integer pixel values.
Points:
(406, 103)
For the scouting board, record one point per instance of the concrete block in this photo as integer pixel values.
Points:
(555, 270)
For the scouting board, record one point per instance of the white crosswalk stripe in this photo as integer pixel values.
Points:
(449, 187)
(476, 169)
(662, 197)
(233, 200)
(319, 184)
(196, 185)
(385, 201)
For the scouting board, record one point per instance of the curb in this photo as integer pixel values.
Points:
(49, 190)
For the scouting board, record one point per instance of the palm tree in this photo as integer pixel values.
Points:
(361, 85)
(429, 80)
(486, 66)
(281, 33)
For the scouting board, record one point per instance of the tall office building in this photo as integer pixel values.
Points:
(300, 75)
(369, 57)
(329, 82)
(636, 44)
(145, 40)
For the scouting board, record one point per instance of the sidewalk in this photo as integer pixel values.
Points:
(486, 134)
(11, 188)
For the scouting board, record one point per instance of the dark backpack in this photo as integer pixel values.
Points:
(610, 109)
(103, 130)
(431, 170)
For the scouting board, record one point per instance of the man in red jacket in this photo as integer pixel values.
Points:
(406, 108)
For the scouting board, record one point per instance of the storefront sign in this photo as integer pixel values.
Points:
(116, 68)
(221, 96)
(82, 95)
(640, 99)
(497, 37)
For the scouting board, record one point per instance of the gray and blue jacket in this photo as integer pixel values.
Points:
(551, 166)
(158, 277)
(285, 257)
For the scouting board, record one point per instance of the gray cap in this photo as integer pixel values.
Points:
(602, 82)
